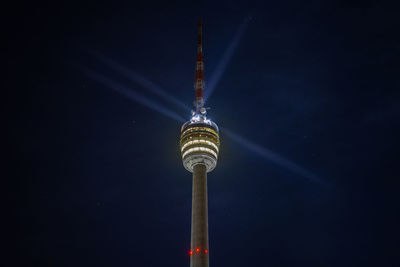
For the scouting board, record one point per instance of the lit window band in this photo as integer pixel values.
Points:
(196, 136)
(199, 141)
(200, 148)
(199, 129)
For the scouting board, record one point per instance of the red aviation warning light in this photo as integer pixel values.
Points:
(197, 250)
(190, 252)
(206, 251)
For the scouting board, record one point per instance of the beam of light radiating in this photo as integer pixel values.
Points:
(273, 157)
(223, 63)
(261, 151)
(131, 94)
(141, 80)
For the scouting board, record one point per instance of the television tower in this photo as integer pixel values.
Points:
(199, 145)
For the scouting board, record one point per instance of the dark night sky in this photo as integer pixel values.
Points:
(97, 179)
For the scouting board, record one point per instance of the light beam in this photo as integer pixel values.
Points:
(147, 84)
(141, 80)
(223, 63)
(131, 94)
(251, 146)
(273, 157)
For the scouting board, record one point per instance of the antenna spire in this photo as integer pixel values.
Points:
(199, 78)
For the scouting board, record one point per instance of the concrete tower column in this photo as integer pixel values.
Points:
(199, 237)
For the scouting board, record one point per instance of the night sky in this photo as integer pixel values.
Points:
(97, 178)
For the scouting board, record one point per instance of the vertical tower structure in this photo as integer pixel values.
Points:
(199, 147)
(199, 77)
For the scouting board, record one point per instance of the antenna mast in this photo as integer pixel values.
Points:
(199, 78)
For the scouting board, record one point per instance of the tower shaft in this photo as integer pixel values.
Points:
(199, 234)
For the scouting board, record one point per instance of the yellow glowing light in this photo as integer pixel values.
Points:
(199, 129)
(200, 148)
(202, 141)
